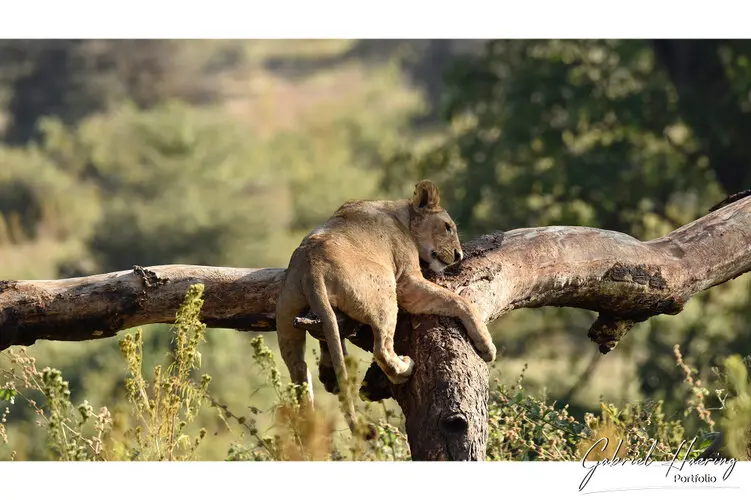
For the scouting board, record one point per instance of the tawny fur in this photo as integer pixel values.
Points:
(365, 262)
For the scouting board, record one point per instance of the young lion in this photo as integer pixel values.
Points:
(365, 262)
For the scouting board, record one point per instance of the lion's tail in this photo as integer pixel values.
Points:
(321, 306)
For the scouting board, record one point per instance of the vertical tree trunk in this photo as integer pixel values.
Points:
(446, 400)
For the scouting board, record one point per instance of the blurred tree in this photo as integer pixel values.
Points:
(70, 79)
(422, 61)
(35, 193)
(712, 79)
(568, 132)
(43, 78)
(179, 184)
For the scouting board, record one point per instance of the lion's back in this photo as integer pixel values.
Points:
(358, 230)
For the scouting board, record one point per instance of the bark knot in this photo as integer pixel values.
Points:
(608, 330)
(148, 278)
(649, 276)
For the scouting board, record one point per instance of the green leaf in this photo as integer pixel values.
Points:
(7, 394)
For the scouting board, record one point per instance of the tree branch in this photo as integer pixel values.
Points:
(99, 306)
(445, 401)
(622, 278)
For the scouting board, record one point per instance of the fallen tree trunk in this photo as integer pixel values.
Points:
(623, 279)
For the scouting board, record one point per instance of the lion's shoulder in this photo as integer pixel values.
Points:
(377, 229)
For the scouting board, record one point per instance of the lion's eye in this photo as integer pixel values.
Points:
(448, 228)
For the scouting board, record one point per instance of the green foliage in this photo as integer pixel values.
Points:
(164, 407)
(523, 427)
(72, 432)
(172, 163)
(736, 419)
(35, 197)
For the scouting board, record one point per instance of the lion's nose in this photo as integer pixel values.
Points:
(457, 255)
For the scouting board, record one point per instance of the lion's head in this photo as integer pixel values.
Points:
(433, 228)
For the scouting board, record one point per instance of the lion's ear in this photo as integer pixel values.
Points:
(426, 196)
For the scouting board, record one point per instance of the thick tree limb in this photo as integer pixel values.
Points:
(99, 306)
(622, 278)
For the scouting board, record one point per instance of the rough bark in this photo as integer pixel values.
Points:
(445, 402)
(623, 279)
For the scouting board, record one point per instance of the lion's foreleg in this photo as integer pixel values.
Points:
(416, 295)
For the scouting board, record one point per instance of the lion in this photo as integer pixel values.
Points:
(365, 262)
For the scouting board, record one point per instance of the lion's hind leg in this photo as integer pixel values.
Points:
(291, 340)
(376, 305)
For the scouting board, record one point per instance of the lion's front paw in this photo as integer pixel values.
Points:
(484, 344)
(482, 341)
